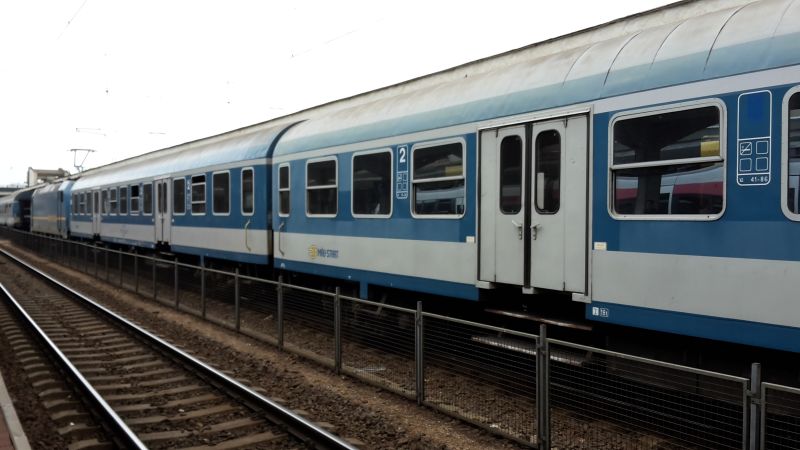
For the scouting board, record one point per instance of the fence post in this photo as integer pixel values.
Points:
(337, 331)
(543, 389)
(203, 288)
(237, 317)
(419, 354)
(155, 288)
(119, 262)
(136, 272)
(94, 256)
(105, 252)
(280, 312)
(175, 287)
(754, 399)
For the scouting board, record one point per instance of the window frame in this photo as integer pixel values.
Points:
(112, 201)
(192, 202)
(213, 185)
(252, 190)
(174, 190)
(335, 160)
(152, 199)
(287, 189)
(391, 183)
(82, 203)
(411, 181)
(665, 109)
(105, 206)
(121, 202)
(131, 211)
(795, 217)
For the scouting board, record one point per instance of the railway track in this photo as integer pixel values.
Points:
(135, 389)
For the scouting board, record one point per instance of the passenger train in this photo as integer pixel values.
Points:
(646, 169)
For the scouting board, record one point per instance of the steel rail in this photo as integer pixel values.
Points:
(296, 425)
(126, 436)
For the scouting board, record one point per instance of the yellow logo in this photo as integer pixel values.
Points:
(313, 251)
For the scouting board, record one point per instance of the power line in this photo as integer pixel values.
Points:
(69, 22)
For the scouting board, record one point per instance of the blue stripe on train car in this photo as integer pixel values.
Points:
(709, 327)
(431, 286)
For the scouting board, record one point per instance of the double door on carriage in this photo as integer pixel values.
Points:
(533, 204)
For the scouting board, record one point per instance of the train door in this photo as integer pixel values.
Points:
(533, 213)
(163, 217)
(95, 208)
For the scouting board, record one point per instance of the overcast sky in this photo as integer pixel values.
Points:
(128, 77)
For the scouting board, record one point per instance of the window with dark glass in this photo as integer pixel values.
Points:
(793, 157)
(321, 188)
(222, 192)
(147, 198)
(668, 163)
(104, 199)
(83, 203)
(548, 172)
(199, 194)
(511, 175)
(247, 191)
(112, 200)
(74, 205)
(179, 195)
(135, 199)
(123, 200)
(94, 202)
(372, 184)
(284, 191)
(438, 180)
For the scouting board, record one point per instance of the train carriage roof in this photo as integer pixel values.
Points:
(252, 143)
(682, 43)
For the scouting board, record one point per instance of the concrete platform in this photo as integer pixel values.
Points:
(12, 436)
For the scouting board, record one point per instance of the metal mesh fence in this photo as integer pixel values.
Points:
(190, 289)
(308, 323)
(220, 293)
(378, 344)
(482, 374)
(780, 419)
(258, 314)
(604, 398)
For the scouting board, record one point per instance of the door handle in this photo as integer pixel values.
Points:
(535, 230)
(280, 247)
(519, 229)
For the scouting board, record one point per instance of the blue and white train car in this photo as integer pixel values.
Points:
(206, 198)
(50, 209)
(646, 168)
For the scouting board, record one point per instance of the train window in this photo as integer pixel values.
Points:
(548, 172)
(94, 202)
(668, 163)
(511, 175)
(372, 184)
(74, 206)
(222, 193)
(135, 199)
(321, 188)
(199, 194)
(248, 190)
(112, 200)
(179, 196)
(438, 180)
(123, 200)
(793, 155)
(104, 204)
(83, 203)
(284, 190)
(147, 198)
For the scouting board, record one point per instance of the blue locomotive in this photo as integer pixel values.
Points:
(647, 169)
